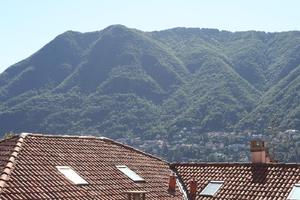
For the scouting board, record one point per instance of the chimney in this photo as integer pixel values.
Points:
(193, 189)
(136, 195)
(259, 152)
(172, 182)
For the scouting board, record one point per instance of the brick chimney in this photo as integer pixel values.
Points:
(259, 152)
(172, 182)
(136, 195)
(193, 189)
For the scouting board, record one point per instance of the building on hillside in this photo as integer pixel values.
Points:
(35, 166)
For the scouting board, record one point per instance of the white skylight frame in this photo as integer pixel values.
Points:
(212, 188)
(71, 175)
(295, 193)
(131, 174)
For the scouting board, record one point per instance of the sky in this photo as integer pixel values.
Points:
(27, 25)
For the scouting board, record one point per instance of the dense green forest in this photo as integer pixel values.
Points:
(138, 86)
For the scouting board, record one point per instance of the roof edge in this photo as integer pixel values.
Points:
(232, 164)
(135, 149)
(8, 168)
(94, 137)
(25, 134)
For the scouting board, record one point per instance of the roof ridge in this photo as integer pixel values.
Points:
(94, 137)
(232, 163)
(207, 163)
(134, 149)
(7, 170)
(61, 135)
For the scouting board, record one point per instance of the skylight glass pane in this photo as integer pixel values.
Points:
(295, 193)
(71, 175)
(128, 172)
(212, 188)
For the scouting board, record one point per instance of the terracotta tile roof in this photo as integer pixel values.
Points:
(241, 180)
(28, 169)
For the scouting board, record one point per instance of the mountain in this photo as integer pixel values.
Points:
(264, 65)
(125, 83)
(103, 81)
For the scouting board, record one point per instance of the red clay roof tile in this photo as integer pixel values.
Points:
(34, 175)
(241, 180)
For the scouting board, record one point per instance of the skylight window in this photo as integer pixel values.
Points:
(212, 188)
(295, 193)
(71, 175)
(131, 174)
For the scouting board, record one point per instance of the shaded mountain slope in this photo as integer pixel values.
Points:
(279, 106)
(215, 98)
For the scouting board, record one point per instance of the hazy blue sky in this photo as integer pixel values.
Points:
(27, 25)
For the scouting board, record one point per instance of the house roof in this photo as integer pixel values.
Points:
(28, 169)
(241, 180)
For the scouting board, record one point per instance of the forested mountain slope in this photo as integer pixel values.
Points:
(125, 83)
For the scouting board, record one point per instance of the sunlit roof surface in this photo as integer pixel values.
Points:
(71, 175)
(295, 193)
(212, 188)
(128, 172)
